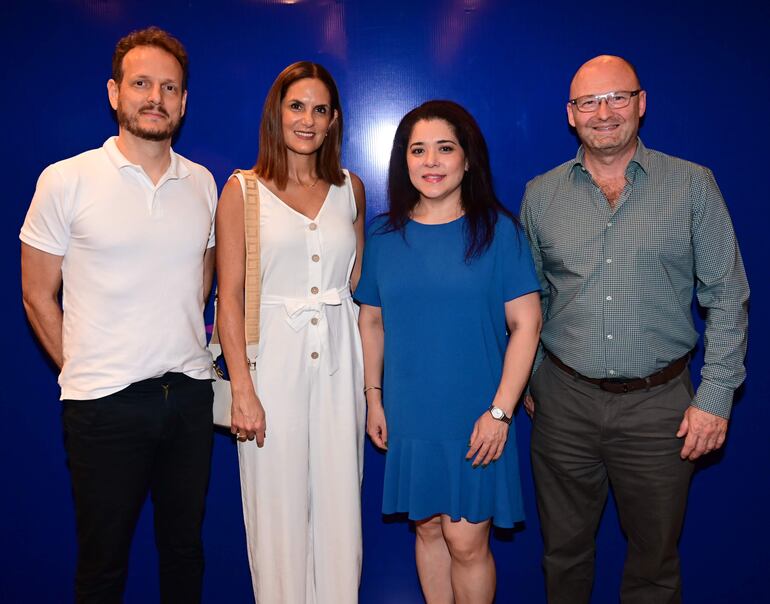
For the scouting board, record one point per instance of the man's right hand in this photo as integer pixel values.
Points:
(529, 405)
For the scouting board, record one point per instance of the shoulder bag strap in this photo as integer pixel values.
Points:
(253, 277)
(253, 281)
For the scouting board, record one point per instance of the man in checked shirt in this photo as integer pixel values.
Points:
(622, 236)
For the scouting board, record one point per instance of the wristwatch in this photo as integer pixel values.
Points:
(499, 414)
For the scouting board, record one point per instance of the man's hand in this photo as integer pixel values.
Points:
(529, 405)
(704, 433)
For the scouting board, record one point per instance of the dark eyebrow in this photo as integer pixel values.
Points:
(141, 76)
(438, 142)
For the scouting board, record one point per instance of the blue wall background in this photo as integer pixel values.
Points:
(705, 67)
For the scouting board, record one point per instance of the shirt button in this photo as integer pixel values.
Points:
(609, 298)
(609, 336)
(609, 261)
(314, 355)
(313, 226)
(314, 321)
(313, 290)
(611, 372)
(315, 257)
(609, 224)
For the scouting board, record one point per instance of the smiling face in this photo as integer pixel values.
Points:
(306, 115)
(607, 132)
(436, 161)
(149, 100)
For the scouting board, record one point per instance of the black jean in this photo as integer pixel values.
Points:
(155, 436)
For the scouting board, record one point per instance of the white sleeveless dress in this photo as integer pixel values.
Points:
(301, 491)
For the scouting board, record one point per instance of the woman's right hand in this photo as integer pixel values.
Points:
(376, 427)
(247, 418)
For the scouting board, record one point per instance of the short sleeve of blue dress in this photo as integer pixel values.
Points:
(366, 291)
(445, 339)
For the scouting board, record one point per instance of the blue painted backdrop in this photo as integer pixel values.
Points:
(705, 68)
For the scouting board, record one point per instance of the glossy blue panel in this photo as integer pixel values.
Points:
(705, 68)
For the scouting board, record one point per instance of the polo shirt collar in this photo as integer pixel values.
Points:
(176, 169)
(640, 158)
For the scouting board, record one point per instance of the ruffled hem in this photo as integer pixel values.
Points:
(425, 478)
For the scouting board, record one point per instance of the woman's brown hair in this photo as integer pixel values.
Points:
(272, 160)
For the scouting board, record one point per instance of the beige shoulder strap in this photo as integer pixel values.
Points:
(253, 278)
(253, 281)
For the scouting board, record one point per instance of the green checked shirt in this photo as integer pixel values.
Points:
(617, 284)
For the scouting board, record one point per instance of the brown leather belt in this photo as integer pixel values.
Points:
(620, 385)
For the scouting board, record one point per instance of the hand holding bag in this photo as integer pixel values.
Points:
(223, 397)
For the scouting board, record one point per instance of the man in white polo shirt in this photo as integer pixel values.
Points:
(126, 232)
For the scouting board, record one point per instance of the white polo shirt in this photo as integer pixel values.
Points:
(132, 268)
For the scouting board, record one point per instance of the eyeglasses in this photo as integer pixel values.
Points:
(615, 100)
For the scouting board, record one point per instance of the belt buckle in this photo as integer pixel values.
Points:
(625, 386)
(621, 386)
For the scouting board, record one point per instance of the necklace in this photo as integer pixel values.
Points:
(303, 185)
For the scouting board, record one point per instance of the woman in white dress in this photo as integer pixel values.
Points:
(299, 416)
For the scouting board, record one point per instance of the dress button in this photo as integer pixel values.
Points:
(315, 257)
(609, 336)
(314, 355)
(313, 226)
(609, 261)
(313, 290)
(609, 298)
(314, 321)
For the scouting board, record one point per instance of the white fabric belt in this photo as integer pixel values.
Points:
(299, 312)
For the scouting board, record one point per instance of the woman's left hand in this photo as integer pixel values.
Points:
(487, 439)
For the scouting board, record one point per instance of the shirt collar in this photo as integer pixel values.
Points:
(640, 158)
(176, 168)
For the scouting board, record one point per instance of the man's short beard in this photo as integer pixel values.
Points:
(131, 124)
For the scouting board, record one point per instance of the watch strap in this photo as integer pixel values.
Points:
(504, 417)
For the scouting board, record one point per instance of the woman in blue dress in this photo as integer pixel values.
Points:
(450, 311)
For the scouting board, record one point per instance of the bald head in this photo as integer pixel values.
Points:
(604, 130)
(604, 73)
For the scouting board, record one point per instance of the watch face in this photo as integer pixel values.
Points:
(497, 413)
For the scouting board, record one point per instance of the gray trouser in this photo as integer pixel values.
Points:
(583, 438)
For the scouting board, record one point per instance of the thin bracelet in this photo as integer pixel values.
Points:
(372, 388)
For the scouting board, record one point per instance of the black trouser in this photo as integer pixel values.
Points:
(154, 436)
(583, 438)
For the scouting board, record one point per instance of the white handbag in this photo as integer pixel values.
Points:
(223, 397)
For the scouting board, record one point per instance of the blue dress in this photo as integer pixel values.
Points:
(445, 339)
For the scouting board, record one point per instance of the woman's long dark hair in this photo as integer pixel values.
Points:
(478, 199)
